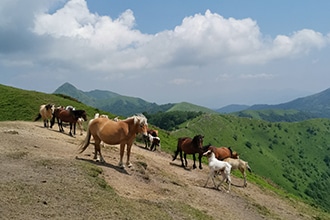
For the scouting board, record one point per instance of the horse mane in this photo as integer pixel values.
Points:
(206, 147)
(139, 118)
(195, 140)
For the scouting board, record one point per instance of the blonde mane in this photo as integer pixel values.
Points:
(140, 118)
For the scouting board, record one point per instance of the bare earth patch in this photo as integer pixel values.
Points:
(40, 177)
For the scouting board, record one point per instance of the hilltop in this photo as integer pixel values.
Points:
(124, 105)
(47, 178)
(291, 156)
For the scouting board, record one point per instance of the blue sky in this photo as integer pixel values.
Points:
(209, 53)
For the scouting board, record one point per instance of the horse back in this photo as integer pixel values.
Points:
(221, 153)
(109, 131)
(186, 145)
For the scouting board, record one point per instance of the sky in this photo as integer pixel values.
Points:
(208, 53)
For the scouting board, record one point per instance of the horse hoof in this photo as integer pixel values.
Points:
(129, 165)
(121, 165)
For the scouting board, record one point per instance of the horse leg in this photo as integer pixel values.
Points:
(122, 150)
(175, 155)
(182, 164)
(229, 182)
(74, 128)
(244, 176)
(223, 179)
(185, 159)
(97, 151)
(200, 161)
(70, 133)
(208, 178)
(152, 146)
(194, 157)
(128, 163)
(60, 125)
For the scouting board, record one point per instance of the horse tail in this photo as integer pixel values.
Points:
(84, 144)
(38, 117)
(178, 149)
(231, 151)
(248, 167)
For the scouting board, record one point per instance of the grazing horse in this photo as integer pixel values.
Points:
(46, 113)
(70, 116)
(190, 146)
(110, 132)
(148, 140)
(221, 153)
(240, 165)
(155, 141)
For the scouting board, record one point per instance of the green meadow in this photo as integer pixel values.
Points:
(290, 158)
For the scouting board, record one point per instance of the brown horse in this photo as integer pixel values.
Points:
(71, 116)
(190, 146)
(221, 153)
(122, 132)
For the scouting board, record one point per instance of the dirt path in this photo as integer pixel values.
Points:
(153, 177)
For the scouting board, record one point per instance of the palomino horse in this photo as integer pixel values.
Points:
(240, 165)
(70, 116)
(190, 146)
(221, 153)
(122, 132)
(46, 113)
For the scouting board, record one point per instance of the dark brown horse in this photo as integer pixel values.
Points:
(190, 146)
(221, 153)
(71, 116)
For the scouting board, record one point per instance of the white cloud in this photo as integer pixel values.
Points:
(62, 38)
(199, 40)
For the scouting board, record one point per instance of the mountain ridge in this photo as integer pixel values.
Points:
(123, 105)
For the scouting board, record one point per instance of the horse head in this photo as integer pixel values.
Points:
(198, 141)
(83, 115)
(143, 124)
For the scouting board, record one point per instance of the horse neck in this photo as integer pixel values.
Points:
(132, 127)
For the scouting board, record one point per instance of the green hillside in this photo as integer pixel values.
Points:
(295, 156)
(18, 104)
(276, 115)
(292, 156)
(124, 105)
(185, 106)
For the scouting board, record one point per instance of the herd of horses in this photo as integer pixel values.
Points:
(123, 133)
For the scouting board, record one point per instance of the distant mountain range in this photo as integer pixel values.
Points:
(123, 105)
(314, 106)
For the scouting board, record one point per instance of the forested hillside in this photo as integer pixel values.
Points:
(292, 156)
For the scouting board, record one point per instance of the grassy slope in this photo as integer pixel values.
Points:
(292, 155)
(17, 104)
(289, 154)
(185, 106)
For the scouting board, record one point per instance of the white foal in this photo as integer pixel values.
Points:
(216, 167)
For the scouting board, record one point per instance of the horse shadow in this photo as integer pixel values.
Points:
(108, 165)
(64, 133)
(179, 165)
